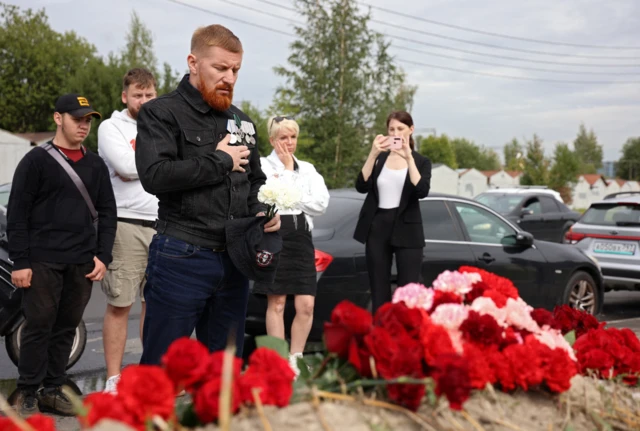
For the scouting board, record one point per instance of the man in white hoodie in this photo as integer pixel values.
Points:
(137, 212)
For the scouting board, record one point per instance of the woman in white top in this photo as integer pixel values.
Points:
(296, 273)
(395, 179)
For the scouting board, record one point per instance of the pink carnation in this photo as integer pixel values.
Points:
(456, 282)
(450, 316)
(519, 315)
(484, 305)
(414, 295)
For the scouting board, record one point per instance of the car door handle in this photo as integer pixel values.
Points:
(487, 258)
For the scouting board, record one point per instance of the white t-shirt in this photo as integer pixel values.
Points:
(390, 184)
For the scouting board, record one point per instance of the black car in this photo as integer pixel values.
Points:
(538, 213)
(458, 232)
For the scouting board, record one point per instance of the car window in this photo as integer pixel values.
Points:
(340, 211)
(549, 204)
(624, 214)
(501, 203)
(481, 225)
(437, 221)
(533, 205)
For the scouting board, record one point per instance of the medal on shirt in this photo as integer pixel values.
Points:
(233, 131)
(241, 131)
(249, 132)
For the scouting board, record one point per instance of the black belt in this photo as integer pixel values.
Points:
(144, 223)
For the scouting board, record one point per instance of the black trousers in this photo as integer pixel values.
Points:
(380, 257)
(53, 307)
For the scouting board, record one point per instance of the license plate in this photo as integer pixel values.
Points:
(614, 248)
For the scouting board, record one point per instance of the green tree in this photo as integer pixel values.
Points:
(513, 153)
(169, 81)
(536, 165)
(629, 164)
(438, 149)
(564, 172)
(138, 51)
(35, 62)
(340, 83)
(470, 155)
(101, 82)
(588, 151)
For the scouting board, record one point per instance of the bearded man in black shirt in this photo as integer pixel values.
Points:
(58, 249)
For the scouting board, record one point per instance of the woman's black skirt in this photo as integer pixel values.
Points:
(296, 273)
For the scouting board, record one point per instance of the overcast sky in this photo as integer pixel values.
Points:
(488, 110)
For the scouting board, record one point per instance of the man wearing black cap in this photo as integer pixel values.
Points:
(58, 248)
(197, 153)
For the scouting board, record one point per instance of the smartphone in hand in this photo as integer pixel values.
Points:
(395, 142)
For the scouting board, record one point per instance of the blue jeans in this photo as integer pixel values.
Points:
(189, 287)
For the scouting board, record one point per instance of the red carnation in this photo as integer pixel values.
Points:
(357, 320)
(501, 367)
(407, 395)
(498, 297)
(558, 370)
(409, 319)
(38, 422)
(146, 391)
(337, 339)
(186, 363)
(494, 282)
(381, 345)
(435, 341)
(272, 374)
(451, 374)
(525, 363)
(359, 357)
(442, 297)
(569, 319)
(544, 317)
(480, 370)
(509, 337)
(102, 405)
(482, 329)
(347, 321)
(630, 339)
(207, 399)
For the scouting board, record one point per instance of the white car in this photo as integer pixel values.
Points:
(541, 190)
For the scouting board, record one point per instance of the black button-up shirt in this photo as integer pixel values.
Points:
(178, 161)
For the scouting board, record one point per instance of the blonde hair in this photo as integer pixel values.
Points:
(275, 126)
(215, 35)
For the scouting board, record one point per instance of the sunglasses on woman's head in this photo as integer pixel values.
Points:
(279, 118)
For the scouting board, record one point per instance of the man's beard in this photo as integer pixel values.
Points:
(219, 102)
(133, 113)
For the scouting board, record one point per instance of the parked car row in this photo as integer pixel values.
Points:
(505, 232)
(458, 231)
(609, 231)
(540, 212)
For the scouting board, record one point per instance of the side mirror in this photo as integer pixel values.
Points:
(523, 239)
(526, 212)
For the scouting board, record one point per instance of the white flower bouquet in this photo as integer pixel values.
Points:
(278, 195)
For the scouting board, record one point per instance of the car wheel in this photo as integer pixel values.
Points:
(582, 293)
(77, 348)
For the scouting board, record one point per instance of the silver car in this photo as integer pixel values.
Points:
(609, 231)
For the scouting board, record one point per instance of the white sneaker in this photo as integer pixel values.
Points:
(112, 385)
(293, 363)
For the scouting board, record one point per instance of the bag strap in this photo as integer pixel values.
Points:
(49, 148)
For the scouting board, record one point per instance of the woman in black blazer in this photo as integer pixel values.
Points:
(390, 221)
